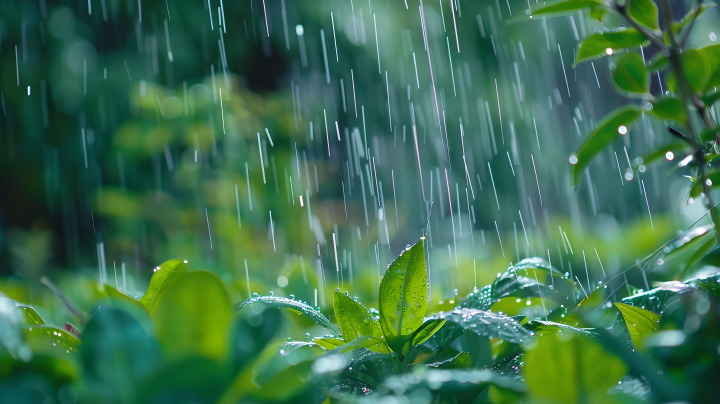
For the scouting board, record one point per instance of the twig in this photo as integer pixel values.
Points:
(692, 24)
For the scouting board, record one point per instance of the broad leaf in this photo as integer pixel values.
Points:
(374, 344)
(488, 324)
(295, 306)
(696, 68)
(193, 315)
(604, 133)
(634, 387)
(640, 323)
(354, 319)
(566, 7)
(164, 276)
(645, 12)
(427, 330)
(450, 380)
(595, 45)
(509, 366)
(403, 292)
(669, 108)
(570, 370)
(713, 56)
(630, 74)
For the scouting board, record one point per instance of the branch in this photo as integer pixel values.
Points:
(692, 24)
(687, 139)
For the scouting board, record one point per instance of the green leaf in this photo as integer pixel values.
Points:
(462, 360)
(659, 62)
(595, 45)
(697, 187)
(117, 351)
(164, 276)
(427, 330)
(630, 74)
(295, 306)
(487, 324)
(669, 108)
(570, 370)
(329, 343)
(713, 56)
(119, 298)
(374, 344)
(711, 99)
(193, 315)
(710, 134)
(696, 68)
(450, 380)
(604, 133)
(11, 325)
(354, 319)
(699, 254)
(645, 12)
(403, 292)
(566, 7)
(659, 153)
(598, 12)
(633, 387)
(640, 323)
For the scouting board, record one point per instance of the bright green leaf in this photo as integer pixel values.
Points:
(713, 56)
(427, 330)
(403, 292)
(567, 369)
(669, 108)
(329, 343)
(193, 315)
(640, 323)
(164, 276)
(696, 68)
(295, 306)
(374, 344)
(595, 45)
(566, 7)
(354, 319)
(631, 75)
(604, 133)
(645, 12)
(487, 324)
(598, 13)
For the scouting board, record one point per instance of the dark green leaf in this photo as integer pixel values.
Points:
(164, 276)
(659, 62)
(193, 315)
(374, 344)
(630, 74)
(427, 330)
(294, 305)
(251, 331)
(670, 108)
(488, 324)
(640, 323)
(604, 133)
(645, 12)
(354, 319)
(710, 134)
(403, 292)
(570, 370)
(509, 366)
(711, 99)
(697, 187)
(595, 45)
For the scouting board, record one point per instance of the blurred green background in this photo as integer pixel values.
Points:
(136, 132)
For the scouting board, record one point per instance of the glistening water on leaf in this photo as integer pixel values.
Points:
(595, 45)
(296, 306)
(354, 319)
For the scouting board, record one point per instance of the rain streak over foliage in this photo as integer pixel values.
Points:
(359, 201)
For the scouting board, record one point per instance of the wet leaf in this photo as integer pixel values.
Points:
(193, 315)
(640, 323)
(427, 330)
(354, 319)
(462, 360)
(595, 45)
(450, 380)
(403, 292)
(11, 325)
(251, 331)
(296, 306)
(508, 366)
(566, 370)
(645, 12)
(164, 276)
(670, 108)
(328, 343)
(487, 324)
(604, 133)
(541, 328)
